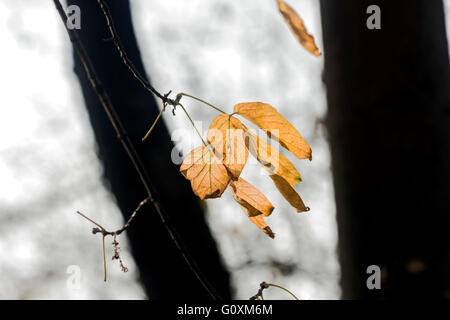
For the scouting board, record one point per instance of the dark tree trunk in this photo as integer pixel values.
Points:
(389, 129)
(163, 272)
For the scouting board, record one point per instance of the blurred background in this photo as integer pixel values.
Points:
(53, 152)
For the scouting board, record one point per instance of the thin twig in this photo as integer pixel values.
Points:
(104, 256)
(154, 124)
(129, 148)
(114, 37)
(119, 231)
(259, 294)
(282, 288)
(128, 63)
(104, 233)
(263, 285)
(89, 219)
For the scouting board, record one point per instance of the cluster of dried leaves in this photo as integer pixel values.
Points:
(218, 164)
(213, 167)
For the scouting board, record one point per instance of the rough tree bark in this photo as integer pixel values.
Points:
(389, 128)
(163, 272)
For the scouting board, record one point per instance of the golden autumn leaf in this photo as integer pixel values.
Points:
(280, 169)
(267, 117)
(289, 193)
(297, 27)
(251, 200)
(272, 160)
(208, 176)
(260, 223)
(226, 134)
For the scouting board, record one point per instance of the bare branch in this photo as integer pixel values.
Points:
(129, 147)
(128, 63)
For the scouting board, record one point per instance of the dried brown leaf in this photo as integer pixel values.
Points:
(208, 176)
(289, 193)
(280, 169)
(251, 200)
(226, 134)
(267, 117)
(297, 27)
(273, 161)
(259, 221)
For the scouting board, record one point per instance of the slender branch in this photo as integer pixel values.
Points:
(259, 294)
(176, 103)
(129, 147)
(116, 40)
(104, 257)
(263, 285)
(105, 232)
(127, 224)
(129, 64)
(282, 288)
(154, 124)
(89, 219)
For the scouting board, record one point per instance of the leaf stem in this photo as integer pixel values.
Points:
(104, 256)
(104, 233)
(282, 288)
(154, 123)
(192, 122)
(89, 219)
(263, 285)
(200, 100)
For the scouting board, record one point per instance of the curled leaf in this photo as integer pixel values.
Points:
(226, 134)
(273, 161)
(297, 27)
(289, 193)
(260, 223)
(280, 169)
(267, 117)
(207, 174)
(251, 200)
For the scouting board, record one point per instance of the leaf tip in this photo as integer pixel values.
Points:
(306, 209)
(269, 232)
(269, 211)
